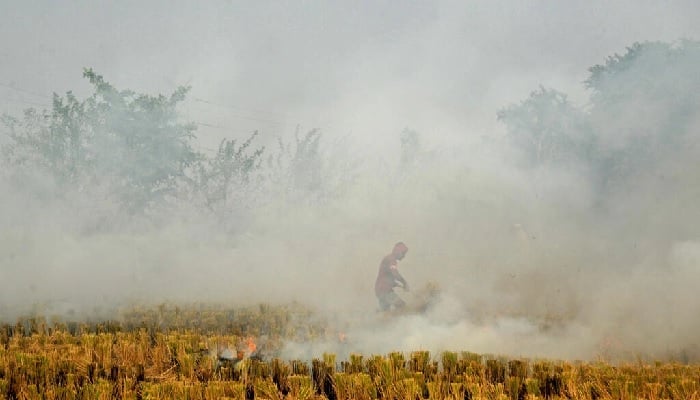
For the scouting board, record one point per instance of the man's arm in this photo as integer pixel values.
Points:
(397, 276)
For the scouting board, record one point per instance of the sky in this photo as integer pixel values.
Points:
(365, 67)
(501, 241)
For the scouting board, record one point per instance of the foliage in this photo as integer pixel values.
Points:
(130, 143)
(548, 129)
(297, 168)
(224, 176)
(645, 106)
(131, 146)
(52, 143)
(643, 113)
(139, 142)
(306, 161)
(650, 70)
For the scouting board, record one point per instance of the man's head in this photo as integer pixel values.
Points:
(400, 250)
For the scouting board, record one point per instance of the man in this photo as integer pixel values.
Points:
(389, 278)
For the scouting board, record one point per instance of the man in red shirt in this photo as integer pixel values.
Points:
(389, 278)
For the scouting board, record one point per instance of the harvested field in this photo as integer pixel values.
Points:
(175, 352)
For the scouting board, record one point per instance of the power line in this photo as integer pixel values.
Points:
(267, 121)
(274, 122)
(224, 128)
(248, 110)
(205, 148)
(226, 131)
(27, 102)
(24, 91)
(219, 127)
(210, 125)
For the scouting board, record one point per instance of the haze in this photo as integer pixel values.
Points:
(509, 246)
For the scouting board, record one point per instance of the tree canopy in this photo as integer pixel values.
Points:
(643, 112)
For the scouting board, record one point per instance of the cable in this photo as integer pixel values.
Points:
(31, 103)
(24, 91)
(277, 123)
(248, 110)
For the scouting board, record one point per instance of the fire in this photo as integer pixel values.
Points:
(342, 337)
(250, 342)
(246, 348)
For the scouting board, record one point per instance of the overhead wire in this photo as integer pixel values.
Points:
(248, 110)
(274, 121)
(23, 90)
(27, 102)
(241, 116)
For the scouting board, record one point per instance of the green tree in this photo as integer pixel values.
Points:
(225, 177)
(645, 107)
(548, 129)
(131, 144)
(643, 114)
(298, 168)
(54, 143)
(139, 142)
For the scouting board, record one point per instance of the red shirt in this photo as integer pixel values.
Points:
(388, 275)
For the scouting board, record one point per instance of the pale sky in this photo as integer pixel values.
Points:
(361, 67)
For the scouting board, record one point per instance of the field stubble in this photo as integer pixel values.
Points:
(176, 352)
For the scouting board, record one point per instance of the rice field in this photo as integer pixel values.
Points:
(208, 352)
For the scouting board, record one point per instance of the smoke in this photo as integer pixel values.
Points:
(547, 261)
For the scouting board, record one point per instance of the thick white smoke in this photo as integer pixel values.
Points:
(529, 261)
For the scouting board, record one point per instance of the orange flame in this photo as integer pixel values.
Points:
(250, 342)
(342, 337)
